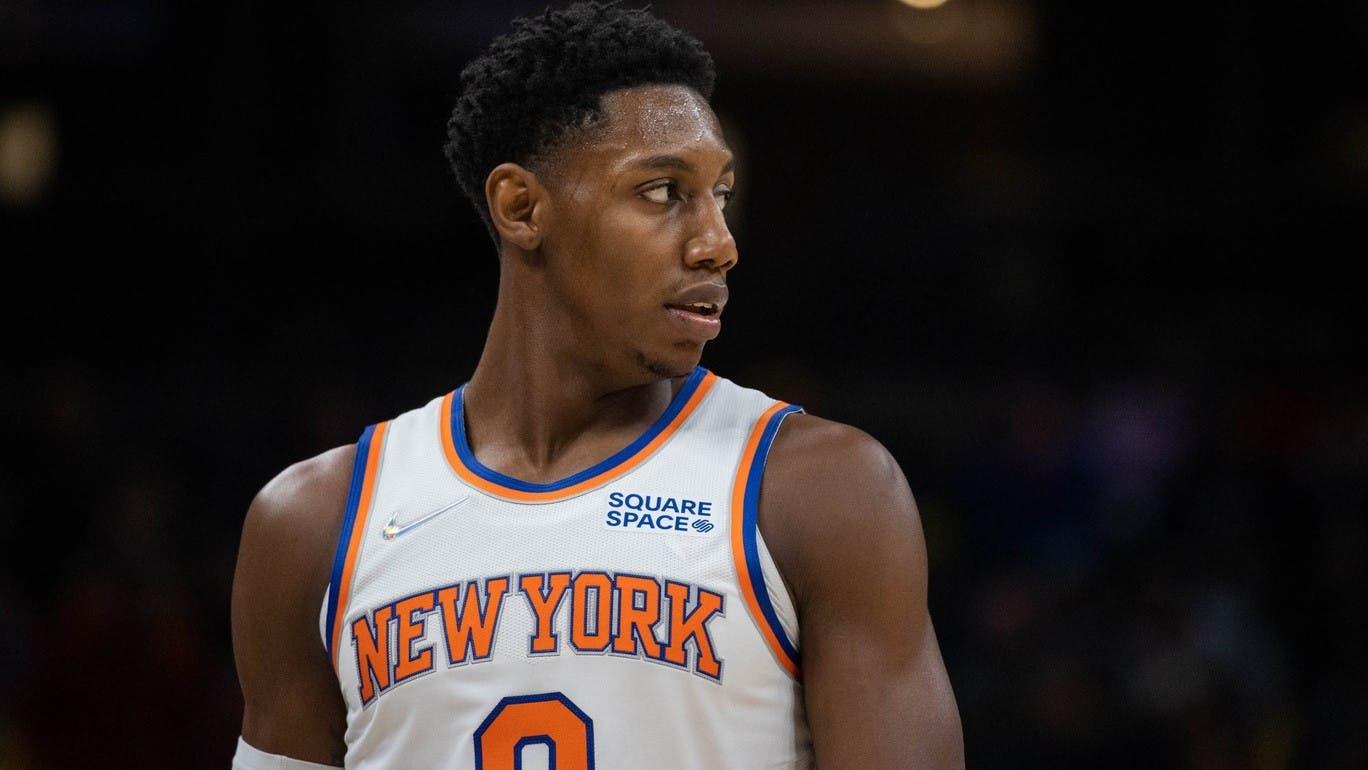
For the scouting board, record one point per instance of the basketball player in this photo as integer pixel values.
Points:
(595, 553)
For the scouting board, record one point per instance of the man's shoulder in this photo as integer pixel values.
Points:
(293, 522)
(805, 448)
(827, 480)
(306, 491)
(812, 444)
(816, 462)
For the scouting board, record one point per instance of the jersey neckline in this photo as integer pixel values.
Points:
(484, 478)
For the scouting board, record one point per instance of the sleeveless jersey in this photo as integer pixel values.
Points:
(627, 616)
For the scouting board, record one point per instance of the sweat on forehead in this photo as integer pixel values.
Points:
(649, 117)
(636, 116)
(658, 112)
(635, 120)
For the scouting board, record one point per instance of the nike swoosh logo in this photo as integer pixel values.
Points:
(394, 529)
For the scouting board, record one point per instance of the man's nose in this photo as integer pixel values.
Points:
(712, 246)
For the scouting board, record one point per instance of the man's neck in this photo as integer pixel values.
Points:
(537, 400)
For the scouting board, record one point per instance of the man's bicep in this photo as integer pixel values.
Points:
(875, 686)
(292, 703)
(872, 703)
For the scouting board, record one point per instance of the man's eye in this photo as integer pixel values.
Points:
(726, 196)
(661, 194)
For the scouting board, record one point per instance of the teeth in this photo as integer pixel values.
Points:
(700, 308)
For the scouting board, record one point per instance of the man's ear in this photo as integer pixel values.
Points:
(519, 205)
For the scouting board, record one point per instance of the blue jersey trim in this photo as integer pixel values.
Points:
(750, 526)
(488, 474)
(344, 537)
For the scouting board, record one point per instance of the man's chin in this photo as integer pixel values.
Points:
(677, 363)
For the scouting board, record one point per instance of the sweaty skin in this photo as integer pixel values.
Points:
(582, 355)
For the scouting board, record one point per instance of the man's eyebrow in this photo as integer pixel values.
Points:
(676, 162)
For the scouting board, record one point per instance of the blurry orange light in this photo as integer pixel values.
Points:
(28, 153)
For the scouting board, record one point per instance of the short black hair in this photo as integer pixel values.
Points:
(536, 84)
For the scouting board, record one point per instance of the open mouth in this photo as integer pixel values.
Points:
(705, 309)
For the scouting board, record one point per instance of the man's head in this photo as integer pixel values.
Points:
(585, 140)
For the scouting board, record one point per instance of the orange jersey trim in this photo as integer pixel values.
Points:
(744, 528)
(354, 538)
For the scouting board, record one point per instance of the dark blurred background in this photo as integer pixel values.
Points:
(1086, 269)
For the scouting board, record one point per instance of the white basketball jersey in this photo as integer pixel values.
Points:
(628, 616)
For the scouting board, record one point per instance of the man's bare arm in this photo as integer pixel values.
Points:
(293, 706)
(841, 523)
